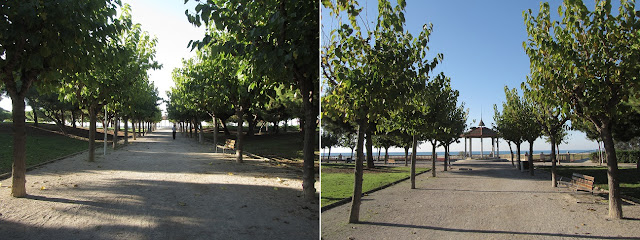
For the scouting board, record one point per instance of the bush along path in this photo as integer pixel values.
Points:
(159, 188)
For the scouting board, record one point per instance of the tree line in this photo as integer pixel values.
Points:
(583, 70)
(258, 61)
(380, 88)
(78, 58)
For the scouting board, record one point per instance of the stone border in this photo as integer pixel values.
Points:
(346, 200)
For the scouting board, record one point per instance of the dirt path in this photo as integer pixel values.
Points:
(159, 188)
(491, 201)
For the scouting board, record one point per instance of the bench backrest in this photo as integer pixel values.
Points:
(583, 182)
(230, 143)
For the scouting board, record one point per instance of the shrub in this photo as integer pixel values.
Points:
(624, 156)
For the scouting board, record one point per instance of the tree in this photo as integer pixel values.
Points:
(508, 121)
(361, 84)
(36, 46)
(453, 126)
(529, 127)
(107, 81)
(599, 55)
(328, 140)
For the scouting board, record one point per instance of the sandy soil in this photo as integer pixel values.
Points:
(159, 188)
(491, 201)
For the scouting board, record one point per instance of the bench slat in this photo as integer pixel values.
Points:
(582, 182)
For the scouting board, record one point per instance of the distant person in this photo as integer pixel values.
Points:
(174, 131)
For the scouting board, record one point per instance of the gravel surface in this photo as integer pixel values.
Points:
(493, 200)
(159, 188)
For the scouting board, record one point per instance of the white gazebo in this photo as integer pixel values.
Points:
(480, 132)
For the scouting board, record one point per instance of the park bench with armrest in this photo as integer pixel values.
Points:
(580, 182)
(229, 144)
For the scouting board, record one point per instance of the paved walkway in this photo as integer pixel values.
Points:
(491, 201)
(159, 188)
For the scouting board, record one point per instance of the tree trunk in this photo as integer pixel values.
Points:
(354, 215)
(126, 130)
(518, 163)
(200, 133)
(35, 117)
(554, 182)
(73, 119)
(386, 155)
(252, 125)
(310, 141)
(285, 127)
(133, 128)
(328, 156)
(445, 157)
(225, 129)
(615, 207)
(215, 132)
(239, 113)
(406, 155)
(511, 150)
(18, 188)
(531, 158)
(433, 159)
(414, 145)
(379, 150)
(115, 132)
(369, 143)
(92, 132)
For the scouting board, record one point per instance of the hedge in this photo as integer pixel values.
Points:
(624, 156)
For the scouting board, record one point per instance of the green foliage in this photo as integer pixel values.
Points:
(4, 115)
(623, 156)
(38, 45)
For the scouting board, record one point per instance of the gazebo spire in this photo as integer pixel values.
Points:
(481, 123)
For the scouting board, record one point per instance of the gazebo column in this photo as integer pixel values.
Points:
(498, 147)
(481, 148)
(493, 147)
(465, 147)
(470, 148)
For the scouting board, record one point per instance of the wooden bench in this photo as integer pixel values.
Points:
(229, 144)
(393, 161)
(580, 182)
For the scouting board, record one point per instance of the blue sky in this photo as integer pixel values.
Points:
(482, 46)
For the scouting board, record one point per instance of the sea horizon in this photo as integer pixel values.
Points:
(440, 153)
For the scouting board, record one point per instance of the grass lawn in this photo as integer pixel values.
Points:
(40, 148)
(629, 177)
(337, 179)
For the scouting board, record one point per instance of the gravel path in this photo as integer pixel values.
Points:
(491, 201)
(159, 188)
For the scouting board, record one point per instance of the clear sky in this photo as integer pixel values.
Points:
(482, 46)
(165, 20)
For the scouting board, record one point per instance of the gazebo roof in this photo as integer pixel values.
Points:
(480, 132)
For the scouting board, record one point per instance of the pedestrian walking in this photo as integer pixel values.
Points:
(174, 131)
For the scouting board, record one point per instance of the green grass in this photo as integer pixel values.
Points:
(339, 185)
(40, 148)
(629, 177)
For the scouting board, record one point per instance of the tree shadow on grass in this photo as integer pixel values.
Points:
(533, 234)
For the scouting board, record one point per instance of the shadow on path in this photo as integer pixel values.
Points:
(536, 234)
